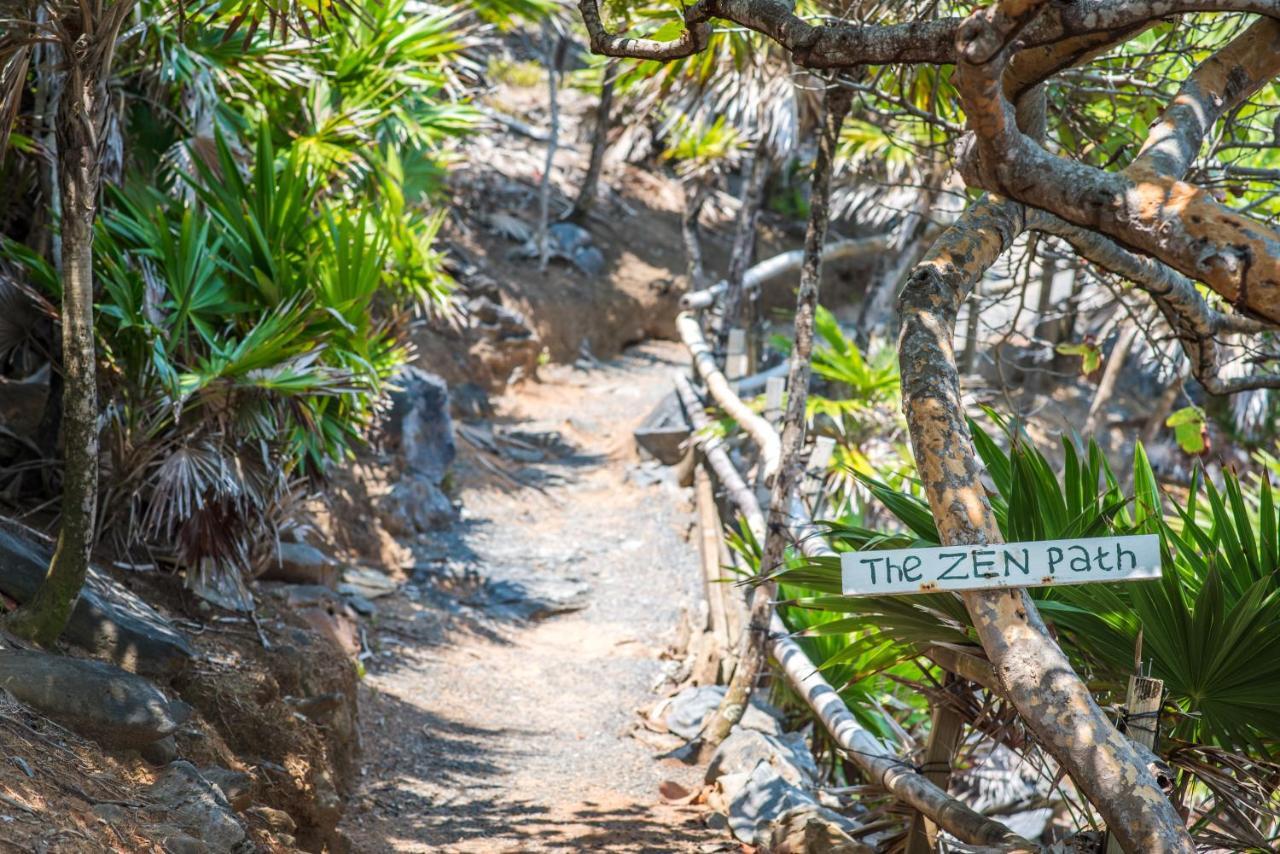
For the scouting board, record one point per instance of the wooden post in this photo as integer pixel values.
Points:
(944, 740)
(1141, 723)
(736, 360)
(773, 390)
(718, 636)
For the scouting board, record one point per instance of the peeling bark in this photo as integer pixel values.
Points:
(1032, 669)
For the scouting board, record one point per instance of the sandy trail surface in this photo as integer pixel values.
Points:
(496, 714)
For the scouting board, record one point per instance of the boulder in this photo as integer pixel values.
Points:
(97, 700)
(418, 427)
(810, 829)
(688, 710)
(745, 749)
(108, 620)
(301, 563)
(196, 808)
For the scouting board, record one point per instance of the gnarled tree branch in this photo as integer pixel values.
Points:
(1032, 669)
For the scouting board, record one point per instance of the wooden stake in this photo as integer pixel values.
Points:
(1141, 723)
(944, 740)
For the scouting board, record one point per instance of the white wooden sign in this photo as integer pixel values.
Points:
(984, 567)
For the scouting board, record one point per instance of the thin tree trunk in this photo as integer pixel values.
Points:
(554, 48)
(1163, 408)
(43, 618)
(689, 230)
(753, 642)
(599, 144)
(744, 242)
(1032, 669)
(1107, 385)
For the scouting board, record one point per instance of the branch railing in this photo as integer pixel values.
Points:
(897, 776)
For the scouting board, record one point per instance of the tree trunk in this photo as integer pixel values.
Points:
(80, 111)
(753, 641)
(554, 47)
(599, 143)
(1107, 385)
(693, 201)
(1032, 669)
(736, 306)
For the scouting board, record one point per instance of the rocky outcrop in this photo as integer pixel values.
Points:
(119, 710)
(109, 621)
(418, 435)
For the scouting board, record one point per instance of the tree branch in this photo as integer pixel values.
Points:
(1176, 222)
(1032, 669)
(1196, 323)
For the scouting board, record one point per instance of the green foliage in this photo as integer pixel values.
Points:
(1090, 355)
(1207, 628)
(256, 268)
(1188, 426)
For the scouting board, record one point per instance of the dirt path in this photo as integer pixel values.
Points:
(487, 731)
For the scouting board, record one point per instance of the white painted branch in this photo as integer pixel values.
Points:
(898, 777)
(760, 430)
(783, 263)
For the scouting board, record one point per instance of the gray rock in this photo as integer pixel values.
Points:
(181, 843)
(236, 786)
(162, 752)
(744, 749)
(301, 563)
(116, 708)
(689, 709)
(108, 619)
(196, 808)
(763, 796)
(567, 238)
(589, 260)
(811, 828)
(418, 427)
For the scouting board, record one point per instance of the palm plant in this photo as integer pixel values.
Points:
(1206, 628)
(253, 288)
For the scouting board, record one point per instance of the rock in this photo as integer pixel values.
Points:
(744, 749)
(162, 752)
(810, 829)
(763, 796)
(688, 710)
(415, 506)
(533, 599)
(118, 709)
(369, 583)
(567, 238)
(236, 786)
(418, 427)
(195, 807)
(277, 821)
(108, 619)
(300, 563)
(589, 260)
